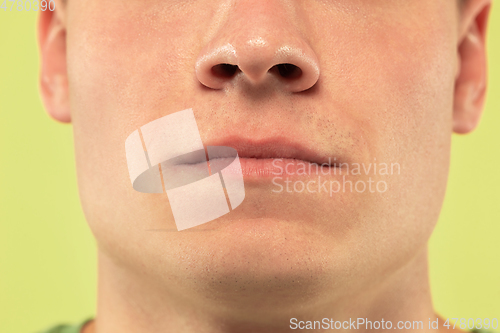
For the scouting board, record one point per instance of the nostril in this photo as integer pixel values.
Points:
(292, 68)
(289, 71)
(224, 70)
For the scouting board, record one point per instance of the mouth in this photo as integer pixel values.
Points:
(278, 157)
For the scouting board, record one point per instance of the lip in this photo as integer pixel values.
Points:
(278, 157)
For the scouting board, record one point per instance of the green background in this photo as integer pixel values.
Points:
(48, 255)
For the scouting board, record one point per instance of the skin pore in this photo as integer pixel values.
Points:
(383, 81)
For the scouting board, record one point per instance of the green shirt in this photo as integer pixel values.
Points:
(65, 328)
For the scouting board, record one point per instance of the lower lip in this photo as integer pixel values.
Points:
(265, 168)
(255, 169)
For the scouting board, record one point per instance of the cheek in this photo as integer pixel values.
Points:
(131, 55)
(413, 73)
(396, 79)
(121, 69)
(413, 77)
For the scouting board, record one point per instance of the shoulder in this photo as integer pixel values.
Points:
(67, 328)
(62, 329)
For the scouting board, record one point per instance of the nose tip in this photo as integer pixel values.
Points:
(295, 67)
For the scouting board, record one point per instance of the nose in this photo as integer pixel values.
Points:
(258, 43)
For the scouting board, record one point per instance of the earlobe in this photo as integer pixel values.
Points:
(471, 81)
(53, 80)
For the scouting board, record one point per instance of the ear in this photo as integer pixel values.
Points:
(53, 82)
(471, 79)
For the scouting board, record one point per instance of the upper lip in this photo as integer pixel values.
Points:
(275, 148)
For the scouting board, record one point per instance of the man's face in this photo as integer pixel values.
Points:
(384, 94)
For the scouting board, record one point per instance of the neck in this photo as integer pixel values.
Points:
(130, 301)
